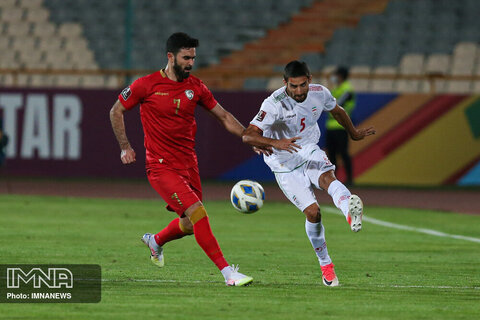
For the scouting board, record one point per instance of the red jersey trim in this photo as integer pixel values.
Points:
(315, 88)
(256, 127)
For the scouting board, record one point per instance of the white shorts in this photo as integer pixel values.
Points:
(297, 185)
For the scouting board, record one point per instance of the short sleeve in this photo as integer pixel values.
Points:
(329, 101)
(207, 100)
(133, 94)
(266, 116)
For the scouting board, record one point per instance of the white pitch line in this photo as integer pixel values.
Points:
(427, 287)
(408, 228)
(159, 280)
(294, 283)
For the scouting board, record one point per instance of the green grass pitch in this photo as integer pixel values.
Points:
(385, 273)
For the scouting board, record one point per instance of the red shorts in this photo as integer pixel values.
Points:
(180, 188)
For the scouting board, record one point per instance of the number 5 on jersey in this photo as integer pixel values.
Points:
(302, 124)
(177, 103)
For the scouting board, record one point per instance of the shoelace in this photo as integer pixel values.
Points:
(235, 268)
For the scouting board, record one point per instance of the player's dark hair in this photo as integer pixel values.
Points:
(342, 72)
(296, 69)
(180, 40)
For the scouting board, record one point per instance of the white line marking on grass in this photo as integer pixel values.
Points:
(428, 287)
(408, 228)
(292, 283)
(158, 280)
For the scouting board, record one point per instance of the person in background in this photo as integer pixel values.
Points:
(336, 135)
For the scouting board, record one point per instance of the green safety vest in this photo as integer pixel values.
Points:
(345, 98)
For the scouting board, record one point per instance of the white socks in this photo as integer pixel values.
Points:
(316, 235)
(340, 195)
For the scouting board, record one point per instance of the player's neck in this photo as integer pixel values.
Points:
(170, 73)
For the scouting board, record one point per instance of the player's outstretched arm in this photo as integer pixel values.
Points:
(253, 136)
(228, 120)
(127, 154)
(342, 117)
(234, 126)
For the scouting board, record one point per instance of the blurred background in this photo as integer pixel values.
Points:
(414, 64)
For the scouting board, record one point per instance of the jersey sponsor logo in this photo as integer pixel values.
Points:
(126, 93)
(189, 94)
(261, 115)
(287, 105)
(161, 93)
(315, 88)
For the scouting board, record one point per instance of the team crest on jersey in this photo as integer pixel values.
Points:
(126, 93)
(260, 116)
(189, 94)
(314, 110)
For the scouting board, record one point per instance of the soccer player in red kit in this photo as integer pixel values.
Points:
(167, 101)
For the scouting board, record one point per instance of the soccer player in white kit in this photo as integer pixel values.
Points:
(286, 125)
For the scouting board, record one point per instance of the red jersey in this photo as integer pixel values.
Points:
(167, 110)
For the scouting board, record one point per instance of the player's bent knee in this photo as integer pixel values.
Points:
(312, 213)
(186, 226)
(325, 179)
(314, 217)
(198, 214)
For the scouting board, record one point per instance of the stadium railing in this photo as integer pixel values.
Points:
(124, 76)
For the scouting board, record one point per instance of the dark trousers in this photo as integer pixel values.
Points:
(337, 144)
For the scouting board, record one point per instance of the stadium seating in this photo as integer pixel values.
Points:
(360, 84)
(225, 26)
(245, 44)
(411, 64)
(410, 39)
(32, 41)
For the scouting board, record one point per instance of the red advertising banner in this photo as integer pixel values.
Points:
(67, 133)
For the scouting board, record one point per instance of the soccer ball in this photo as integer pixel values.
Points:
(247, 196)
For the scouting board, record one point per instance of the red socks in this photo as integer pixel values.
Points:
(203, 235)
(170, 232)
(206, 240)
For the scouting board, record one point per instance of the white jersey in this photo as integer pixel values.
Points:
(281, 117)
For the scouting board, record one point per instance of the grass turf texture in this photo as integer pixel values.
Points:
(378, 268)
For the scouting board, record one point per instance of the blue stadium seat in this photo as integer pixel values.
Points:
(227, 24)
(313, 60)
(255, 83)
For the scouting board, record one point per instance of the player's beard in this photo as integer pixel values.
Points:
(298, 97)
(179, 72)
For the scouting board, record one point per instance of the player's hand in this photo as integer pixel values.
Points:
(359, 134)
(127, 156)
(287, 144)
(263, 150)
